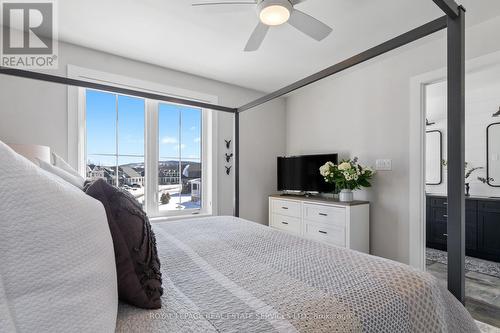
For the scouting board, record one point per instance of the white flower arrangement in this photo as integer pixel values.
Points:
(348, 175)
(344, 166)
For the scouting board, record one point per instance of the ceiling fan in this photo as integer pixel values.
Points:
(274, 13)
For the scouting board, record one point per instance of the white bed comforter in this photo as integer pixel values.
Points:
(225, 274)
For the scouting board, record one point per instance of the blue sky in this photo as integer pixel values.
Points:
(102, 125)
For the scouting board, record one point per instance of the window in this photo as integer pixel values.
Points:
(118, 137)
(180, 163)
(115, 140)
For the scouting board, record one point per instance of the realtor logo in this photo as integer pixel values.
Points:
(29, 37)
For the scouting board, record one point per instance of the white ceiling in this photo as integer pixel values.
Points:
(171, 33)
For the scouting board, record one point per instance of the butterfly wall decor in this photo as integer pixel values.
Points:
(228, 156)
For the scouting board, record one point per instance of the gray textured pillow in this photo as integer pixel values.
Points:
(137, 263)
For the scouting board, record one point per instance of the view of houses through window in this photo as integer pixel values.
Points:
(179, 169)
(115, 146)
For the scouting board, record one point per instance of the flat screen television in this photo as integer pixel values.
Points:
(301, 173)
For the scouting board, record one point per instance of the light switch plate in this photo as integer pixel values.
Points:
(383, 165)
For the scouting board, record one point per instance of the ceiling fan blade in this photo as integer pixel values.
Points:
(309, 25)
(257, 37)
(296, 2)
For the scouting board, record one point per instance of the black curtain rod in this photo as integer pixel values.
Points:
(105, 87)
(401, 40)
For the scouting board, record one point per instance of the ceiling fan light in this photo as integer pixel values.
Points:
(274, 14)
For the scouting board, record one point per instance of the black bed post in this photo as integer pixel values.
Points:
(236, 140)
(456, 154)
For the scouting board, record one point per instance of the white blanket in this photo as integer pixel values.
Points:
(224, 274)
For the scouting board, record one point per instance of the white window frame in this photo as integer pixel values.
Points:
(77, 137)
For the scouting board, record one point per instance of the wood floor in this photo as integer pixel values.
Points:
(482, 293)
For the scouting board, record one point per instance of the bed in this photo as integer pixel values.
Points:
(225, 274)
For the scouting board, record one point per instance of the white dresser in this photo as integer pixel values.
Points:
(336, 223)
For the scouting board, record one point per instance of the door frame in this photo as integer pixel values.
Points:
(417, 127)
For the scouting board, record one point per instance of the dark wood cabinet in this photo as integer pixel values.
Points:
(471, 225)
(436, 231)
(488, 229)
(482, 226)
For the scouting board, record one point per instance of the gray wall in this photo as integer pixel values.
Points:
(33, 112)
(365, 112)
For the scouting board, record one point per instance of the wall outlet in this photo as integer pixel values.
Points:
(383, 165)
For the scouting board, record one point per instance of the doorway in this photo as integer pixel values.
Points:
(482, 225)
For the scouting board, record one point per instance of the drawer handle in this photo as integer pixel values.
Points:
(445, 235)
(323, 214)
(445, 203)
(284, 207)
(285, 223)
(445, 216)
(323, 232)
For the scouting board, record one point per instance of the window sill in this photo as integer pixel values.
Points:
(162, 219)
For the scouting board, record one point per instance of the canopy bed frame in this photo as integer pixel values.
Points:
(454, 22)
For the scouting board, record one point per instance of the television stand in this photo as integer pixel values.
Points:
(343, 224)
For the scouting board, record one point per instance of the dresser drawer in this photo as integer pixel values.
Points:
(439, 202)
(319, 232)
(333, 216)
(286, 223)
(439, 214)
(285, 207)
(489, 206)
(442, 202)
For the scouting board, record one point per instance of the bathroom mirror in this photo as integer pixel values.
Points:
(433, 158)
(493, 154)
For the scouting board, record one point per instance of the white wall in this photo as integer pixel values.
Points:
(475, 155)
(34, 112)
(482, 100)
(364, 112)
(258, 157)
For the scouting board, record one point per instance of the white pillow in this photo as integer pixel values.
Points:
(57, 264)
(62, 164)
(77, 181)
(6, 322)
